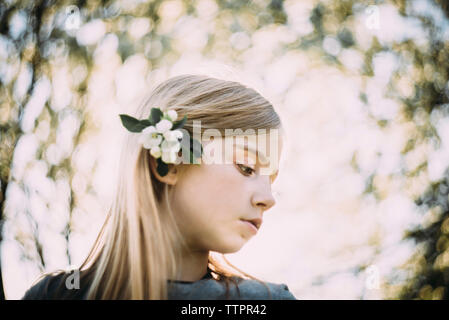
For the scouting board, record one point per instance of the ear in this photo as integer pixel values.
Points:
(170, 178)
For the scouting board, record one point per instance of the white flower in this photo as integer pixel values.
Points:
(170, 146)
(164, 125)
(172, 114)
(172, 135)
(149, 130)
(169, 157)
(149, 137)
(150, 141)
(156, 152)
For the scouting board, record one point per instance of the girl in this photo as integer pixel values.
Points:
(160, 232)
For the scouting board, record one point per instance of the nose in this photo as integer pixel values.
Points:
(263, 198)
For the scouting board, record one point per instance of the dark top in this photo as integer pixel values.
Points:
(206, 288)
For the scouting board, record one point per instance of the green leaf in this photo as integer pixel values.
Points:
(146, 123)
(194, 147)
(185, 142)
(179, 124)
(193, 159)
(162, 167)
(197, 147)
(156, 115)
(132, 124)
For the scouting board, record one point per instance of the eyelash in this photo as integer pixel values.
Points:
(251, 169)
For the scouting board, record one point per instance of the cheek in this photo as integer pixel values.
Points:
(210, 192)
(222, 188)
(209, 203)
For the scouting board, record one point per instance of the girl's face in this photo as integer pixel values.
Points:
(210, 200)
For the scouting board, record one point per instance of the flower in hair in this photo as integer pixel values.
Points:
(161, 135)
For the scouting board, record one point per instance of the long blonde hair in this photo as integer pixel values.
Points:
(137, 249)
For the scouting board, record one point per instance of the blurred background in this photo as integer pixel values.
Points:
(361, 86)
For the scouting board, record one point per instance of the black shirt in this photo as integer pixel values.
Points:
(57, 287)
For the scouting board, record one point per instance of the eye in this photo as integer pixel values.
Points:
(246, 170)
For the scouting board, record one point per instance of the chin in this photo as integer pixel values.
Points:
(230, 247)
(234, 250)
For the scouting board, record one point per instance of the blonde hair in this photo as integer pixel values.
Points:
(137, 249)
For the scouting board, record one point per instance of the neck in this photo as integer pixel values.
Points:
(193, 263)
(193, 266)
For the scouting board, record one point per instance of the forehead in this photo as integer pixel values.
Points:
(263, 149)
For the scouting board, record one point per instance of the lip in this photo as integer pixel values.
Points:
(250, 226)
(254, 224)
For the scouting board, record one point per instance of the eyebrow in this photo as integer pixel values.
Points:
(257, 153)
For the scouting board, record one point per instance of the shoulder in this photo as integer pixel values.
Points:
(253, 289)
(53, 286)
(236, 289)
(43, 287)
